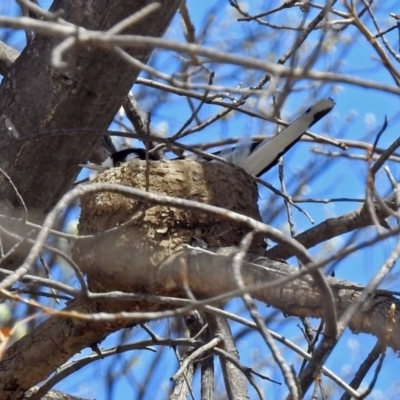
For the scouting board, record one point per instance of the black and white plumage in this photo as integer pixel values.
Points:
(123, 156)
(255, 158)
(267, 153)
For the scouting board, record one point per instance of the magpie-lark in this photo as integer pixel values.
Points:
(255, 158)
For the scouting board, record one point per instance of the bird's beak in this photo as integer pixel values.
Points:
(95, 167)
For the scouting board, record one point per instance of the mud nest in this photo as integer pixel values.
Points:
(127, 258)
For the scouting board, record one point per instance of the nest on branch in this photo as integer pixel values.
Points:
(128, 258)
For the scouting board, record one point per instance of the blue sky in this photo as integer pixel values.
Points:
(338, 178)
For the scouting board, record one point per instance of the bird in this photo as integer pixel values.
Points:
(135, 153)
(255, 158)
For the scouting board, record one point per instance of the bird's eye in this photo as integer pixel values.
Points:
(118, 163)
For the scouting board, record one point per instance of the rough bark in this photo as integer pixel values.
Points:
(47, 108)
(39, 99)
